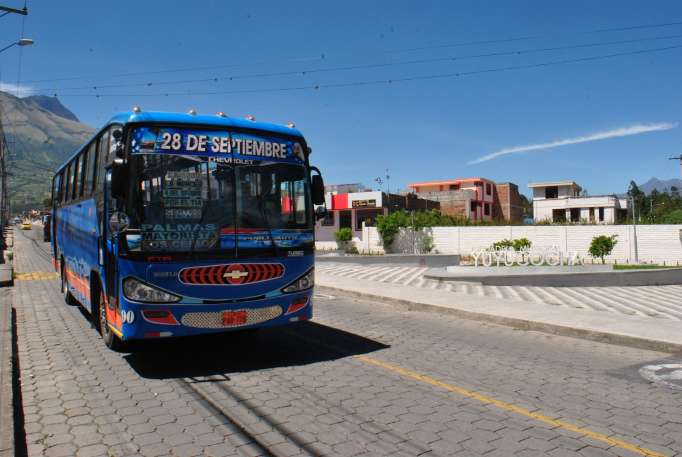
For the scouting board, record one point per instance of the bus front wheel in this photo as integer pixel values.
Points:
(112, 341)
(68, 297)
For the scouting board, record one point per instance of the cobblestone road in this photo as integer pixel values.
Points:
(663, 302)
(361, 379)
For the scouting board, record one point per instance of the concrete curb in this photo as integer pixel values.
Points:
(618, 278)
(6, 275)
(423, 260)
(6, 380)
(521, 324)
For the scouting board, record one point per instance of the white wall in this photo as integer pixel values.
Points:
(655, 243)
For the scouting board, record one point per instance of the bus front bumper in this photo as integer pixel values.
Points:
(145, 321)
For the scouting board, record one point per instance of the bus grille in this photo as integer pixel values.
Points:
(215, 319)
(231, 274)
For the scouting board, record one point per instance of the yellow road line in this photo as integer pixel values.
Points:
(35, 276)
(510, 407)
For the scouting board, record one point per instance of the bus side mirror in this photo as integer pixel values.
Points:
(119, 178)
(317, 187)
(320, 213)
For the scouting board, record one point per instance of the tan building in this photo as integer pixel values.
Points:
(560, 201)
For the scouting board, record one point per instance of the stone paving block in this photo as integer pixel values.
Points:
(324, 401)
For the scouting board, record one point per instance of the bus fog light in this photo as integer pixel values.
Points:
(136, 290)
(297, 304)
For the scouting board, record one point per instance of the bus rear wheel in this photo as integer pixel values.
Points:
(112, 341)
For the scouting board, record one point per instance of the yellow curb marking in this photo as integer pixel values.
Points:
(510, 407)
(35, 276)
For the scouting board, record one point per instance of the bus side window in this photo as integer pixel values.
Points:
(82, 162)
(103, 151)
(68, 184)
(57, 188)
(91, 170)
(74, 177)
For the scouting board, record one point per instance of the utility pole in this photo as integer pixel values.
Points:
(634, 228)
(677, 158)
(4, 153)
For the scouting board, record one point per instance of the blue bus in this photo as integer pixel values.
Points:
(168, 224)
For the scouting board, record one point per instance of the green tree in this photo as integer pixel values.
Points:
(602, 245)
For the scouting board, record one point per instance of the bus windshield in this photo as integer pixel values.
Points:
(189, 203)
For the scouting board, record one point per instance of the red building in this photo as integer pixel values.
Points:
(474, 198)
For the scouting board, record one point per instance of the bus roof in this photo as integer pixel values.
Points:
(200, 119)
(189, 119)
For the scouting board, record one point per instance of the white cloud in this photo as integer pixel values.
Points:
(616, 133)
(18, 90)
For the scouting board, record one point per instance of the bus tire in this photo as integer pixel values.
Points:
(112, 341)
(69, 299)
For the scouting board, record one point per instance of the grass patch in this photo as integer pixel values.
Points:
(643, 267)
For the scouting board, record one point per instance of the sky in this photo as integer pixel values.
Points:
(517, 91)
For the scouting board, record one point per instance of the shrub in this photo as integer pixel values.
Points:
(602, 245)
(351, 249)
(521, 244)
(427, 244)
(343, 235)
(517, 245)
(504, 244)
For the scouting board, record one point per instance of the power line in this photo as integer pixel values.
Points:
(309, 71)
(392, 80)
(637, 27)
(179, 70)
(323, 57)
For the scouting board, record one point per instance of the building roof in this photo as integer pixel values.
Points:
(554, 183)
(448, 181)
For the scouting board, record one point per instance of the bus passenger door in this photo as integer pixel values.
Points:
(110, 243)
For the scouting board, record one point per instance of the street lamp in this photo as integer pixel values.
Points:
(21, 42)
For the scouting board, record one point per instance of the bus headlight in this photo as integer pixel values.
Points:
(136, 290)
(304, 282)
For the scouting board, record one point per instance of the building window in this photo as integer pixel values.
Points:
(369, 217)
(552, 192)
(345, 219)
(601, 214)
(488, 189)
(473, 206)
(575, 214)
(486, 209)
(328, 220)
(454, 186)
(591, 214)
(559, 215)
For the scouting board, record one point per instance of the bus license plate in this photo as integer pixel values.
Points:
(231, 318)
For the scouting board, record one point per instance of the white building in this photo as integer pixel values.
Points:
(560, 201)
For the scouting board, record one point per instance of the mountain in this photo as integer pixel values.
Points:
(41, 133)
(51, 104)
(660, 185)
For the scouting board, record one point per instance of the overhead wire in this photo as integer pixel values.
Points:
(389, 80)
(310, 71)
(323, 56)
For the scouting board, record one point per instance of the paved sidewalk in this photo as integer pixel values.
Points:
(635, 331)
(664, 302)
(6, 366)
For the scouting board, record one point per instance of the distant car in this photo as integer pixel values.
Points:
(46, 227)
(26, 225)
